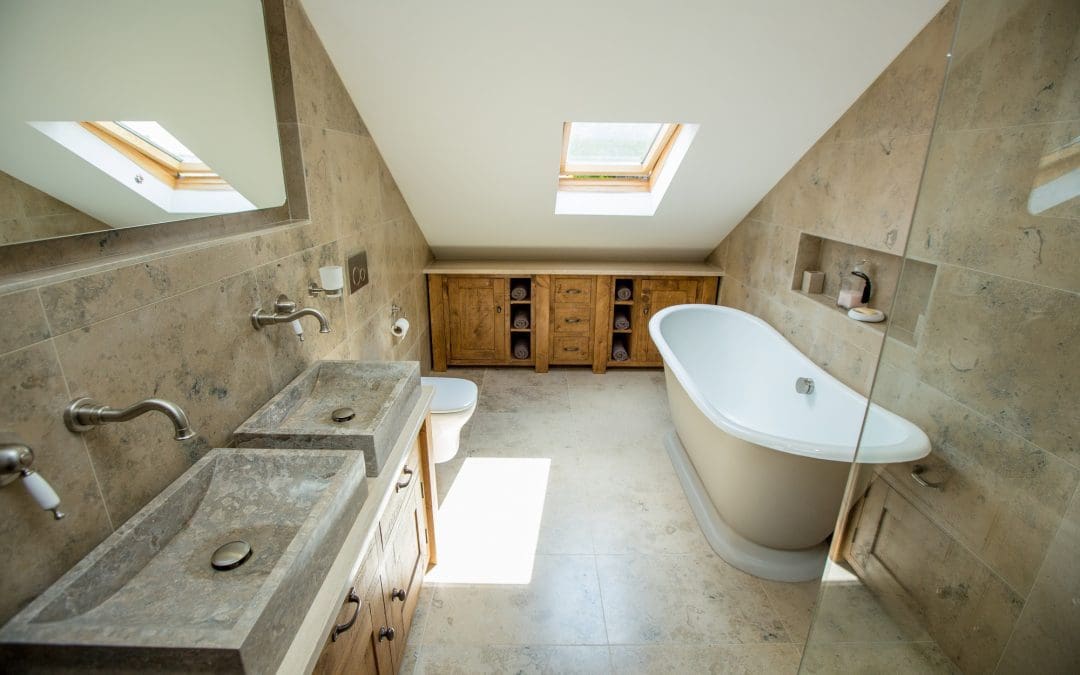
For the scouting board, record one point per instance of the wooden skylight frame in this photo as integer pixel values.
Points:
(177, 174)
(617, 178)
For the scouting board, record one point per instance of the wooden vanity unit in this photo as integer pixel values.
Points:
(571, 310)
(362, 615)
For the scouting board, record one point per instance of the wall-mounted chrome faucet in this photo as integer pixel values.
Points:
(83, 414)
(285, 311)
(15, 460)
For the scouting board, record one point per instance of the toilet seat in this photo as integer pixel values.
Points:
(452, 394)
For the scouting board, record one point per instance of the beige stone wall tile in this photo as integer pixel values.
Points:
(289, 356)
(79, 302)
(1008, 350)
(1002, 497)
(198, 350)
(1013, 63)
(321, 98)
(24, 323)
(904, 98)
(877, 196)
(1045, 636)
(38, 549)
(974, 210)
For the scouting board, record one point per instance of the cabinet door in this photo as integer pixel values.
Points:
(406, 562)
(655, 295)
(351, 649)
(375, 639)
(479, 324)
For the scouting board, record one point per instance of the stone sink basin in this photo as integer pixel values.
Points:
(381, 394)
(147, 598)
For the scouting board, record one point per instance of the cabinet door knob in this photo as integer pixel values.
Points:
(386, 634)
(498, 309)
(342, 627)
(398, 594)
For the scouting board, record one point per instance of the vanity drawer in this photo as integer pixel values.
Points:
(571, 349)
(574, 290)
(573, 318)
(408, 476)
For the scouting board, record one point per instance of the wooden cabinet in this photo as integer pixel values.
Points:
(572, 316)
(376, 615)
(478, 318)
(655, 295)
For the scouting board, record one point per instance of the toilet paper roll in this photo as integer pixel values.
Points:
(400, 327)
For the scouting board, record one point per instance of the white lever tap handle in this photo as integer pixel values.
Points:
(42, 492)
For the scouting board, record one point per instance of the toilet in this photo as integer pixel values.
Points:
(452, 406)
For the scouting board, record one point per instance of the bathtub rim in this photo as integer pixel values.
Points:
(915, 445)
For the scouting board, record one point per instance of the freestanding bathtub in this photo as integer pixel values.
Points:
(764, 466)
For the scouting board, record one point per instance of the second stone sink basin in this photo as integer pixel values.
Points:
(148, 598)
(378, 395)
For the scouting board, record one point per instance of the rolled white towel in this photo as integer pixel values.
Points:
(624, 293)
(521, 318)
(622, 322)
(521, 347)
(519, 292)
(618, 350)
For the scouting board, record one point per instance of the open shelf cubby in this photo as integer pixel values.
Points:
(521, 317)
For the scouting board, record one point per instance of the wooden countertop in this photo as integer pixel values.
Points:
(526, 267)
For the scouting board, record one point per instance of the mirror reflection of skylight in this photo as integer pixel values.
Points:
(156, 135)
(611, 143)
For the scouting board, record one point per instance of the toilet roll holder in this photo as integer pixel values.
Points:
(399, 324)
(15, 460)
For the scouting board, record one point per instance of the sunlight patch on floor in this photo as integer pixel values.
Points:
(489, 522)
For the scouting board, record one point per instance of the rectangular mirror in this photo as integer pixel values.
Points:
(117, 116)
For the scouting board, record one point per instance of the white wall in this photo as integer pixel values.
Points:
(198, 67)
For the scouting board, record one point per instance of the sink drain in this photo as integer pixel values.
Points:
(342, 415)
(230, 556)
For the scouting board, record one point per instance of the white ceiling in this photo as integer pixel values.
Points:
(466, 102)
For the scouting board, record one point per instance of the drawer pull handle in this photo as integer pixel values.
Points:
(573, 291)
(573, 320)
(916, 475)
(408, 479)
(386, 634)
(571, 349)
(342, 627)
(398, 594)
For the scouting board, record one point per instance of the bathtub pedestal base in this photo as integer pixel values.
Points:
(761, 561)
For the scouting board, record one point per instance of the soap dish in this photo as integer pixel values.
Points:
(866, 314)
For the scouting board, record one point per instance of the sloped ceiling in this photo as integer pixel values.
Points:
(466, 102)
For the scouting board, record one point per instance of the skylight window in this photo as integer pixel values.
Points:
(151, 162)
(619, 168)
(618, 156)
(156, 135)
(160, 153)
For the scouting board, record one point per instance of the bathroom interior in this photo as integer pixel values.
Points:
(755, 354)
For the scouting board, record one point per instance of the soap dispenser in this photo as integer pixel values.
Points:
(856, 288)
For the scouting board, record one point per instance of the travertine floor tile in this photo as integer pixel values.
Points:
(527, 660)
(559, 606)
(684, 599)
(775, 659)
